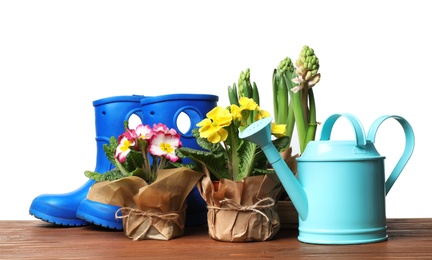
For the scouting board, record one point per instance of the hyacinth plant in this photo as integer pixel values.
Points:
(140, 152)
(224, 153)
(244, 88)
(293, 97)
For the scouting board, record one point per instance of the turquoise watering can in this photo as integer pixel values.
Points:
(341, 188)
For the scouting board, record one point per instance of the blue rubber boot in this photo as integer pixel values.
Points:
(111, 112)
(181, 112)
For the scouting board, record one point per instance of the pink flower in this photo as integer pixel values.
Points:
(144, 132)
(165, 145)
(130, 134)
(160, 128)
(164, 129)
(156, 144)
(126, 141)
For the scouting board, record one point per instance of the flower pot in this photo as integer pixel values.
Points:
(149, 211)
(242, 211)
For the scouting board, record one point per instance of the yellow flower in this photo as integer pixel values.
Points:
(236, 112)
(247, 103)
(212, 127)
(262, 114)
(278, 130)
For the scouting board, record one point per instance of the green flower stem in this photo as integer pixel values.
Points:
(299, 119)
(255, 97)
(161, 165)
(305, 108)
(156, 164)
(275, 87)
(229, 161)
(146, 162)
(121, 168)
(290, 123)
(312, 126)
(282, 100)
(305, 118)
(235, 162)
(290, 120)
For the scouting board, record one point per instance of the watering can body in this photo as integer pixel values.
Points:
(341, 186)
(346, 195)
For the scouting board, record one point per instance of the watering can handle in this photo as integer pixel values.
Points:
(358, 128)
(409, 145)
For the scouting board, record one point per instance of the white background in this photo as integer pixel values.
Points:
(56, 57)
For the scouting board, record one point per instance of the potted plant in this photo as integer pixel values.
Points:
(150, 196)
(294, 105)
(241, 207)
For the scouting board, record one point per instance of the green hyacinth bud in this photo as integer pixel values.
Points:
(244, 84)
(285, 65)
(307, 63)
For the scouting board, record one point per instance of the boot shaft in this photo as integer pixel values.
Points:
(110, 115)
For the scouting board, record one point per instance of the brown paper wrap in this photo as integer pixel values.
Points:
(242, 211)
(118, 193)
(155, 211)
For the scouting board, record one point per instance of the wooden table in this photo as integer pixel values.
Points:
(408, 239)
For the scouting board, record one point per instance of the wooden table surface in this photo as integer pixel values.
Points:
(408, 239)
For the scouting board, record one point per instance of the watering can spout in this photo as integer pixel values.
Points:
(260, 134)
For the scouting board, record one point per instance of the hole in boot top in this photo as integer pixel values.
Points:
(134, 121)
(183, 122)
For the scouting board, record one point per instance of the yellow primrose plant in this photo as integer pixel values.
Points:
(224, 153)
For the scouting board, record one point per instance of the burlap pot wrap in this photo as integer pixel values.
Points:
(242, 211)
(155, 211)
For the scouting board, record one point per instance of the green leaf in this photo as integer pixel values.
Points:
(110, 148)
(232, 95)
(215, 162)
(275, 94)
(255, 93)
(205, 144)
(139, 172)
(133, 160)
(247, 152)
(253, 160)
(263, 172)
(114, 174)
(281, 143)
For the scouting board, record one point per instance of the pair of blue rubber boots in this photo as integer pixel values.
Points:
(74, 209)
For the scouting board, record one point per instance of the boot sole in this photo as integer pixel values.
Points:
(59, 221)
(99, 214)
